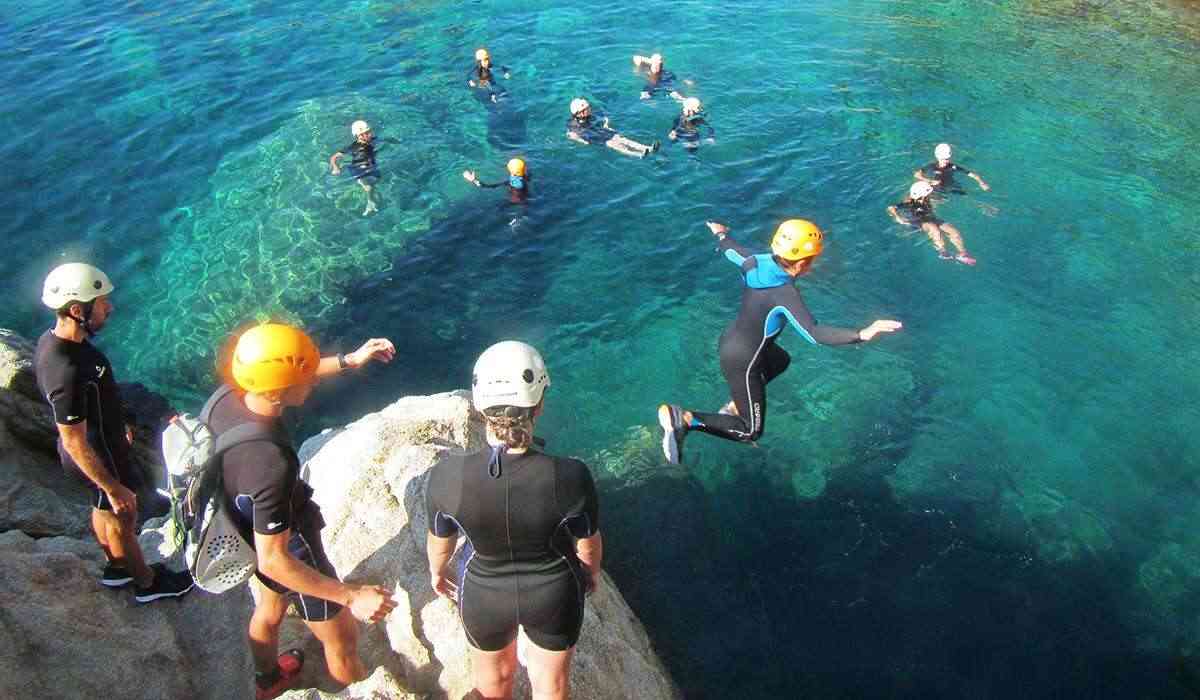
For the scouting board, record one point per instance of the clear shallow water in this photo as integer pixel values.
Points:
(997, 502)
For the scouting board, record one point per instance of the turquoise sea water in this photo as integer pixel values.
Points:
(997, 502)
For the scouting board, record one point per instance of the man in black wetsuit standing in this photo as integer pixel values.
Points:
(274, 366)
(750, 358)
(77, 379)
(363, 167)
(533, 533)
(483, 76)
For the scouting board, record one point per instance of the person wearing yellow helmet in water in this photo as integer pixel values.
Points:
(517, 182)
(750, 357)
(271, 367)
(588, 128)
(483, 75)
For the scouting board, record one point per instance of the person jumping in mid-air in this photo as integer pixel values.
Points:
(918, 212)
(750, 358)
(517, 182)
(587, 128)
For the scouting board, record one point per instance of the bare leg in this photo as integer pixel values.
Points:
(955, 238)
(117, 535)
(494, 672)
(931, 229)
(549, 672)
(628, 147)
(370, 196)
(339, 636)
(264, 628)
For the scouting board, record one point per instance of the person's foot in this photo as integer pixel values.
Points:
(674, 430)
(167, 584)
(115, 576)
(289, 664)
(655, 146)
(965, 259)
(370, 208)
(945, 255)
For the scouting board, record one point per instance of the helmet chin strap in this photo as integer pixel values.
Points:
(86, 321)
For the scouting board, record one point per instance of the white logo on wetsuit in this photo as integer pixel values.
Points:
(100, 369)
(272, 526)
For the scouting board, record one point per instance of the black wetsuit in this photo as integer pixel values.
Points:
(520, 517)
(77, 380)
(918, 211)
(262, 483)
(518, 188)
(362, 159)
(662, 81)
(485, 79)
(689, 130)
(590, 129)
(944, 176)
(750, 359)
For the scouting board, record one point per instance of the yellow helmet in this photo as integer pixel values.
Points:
(516, 167)
(274, 356)
(482, 55)
(796, 239)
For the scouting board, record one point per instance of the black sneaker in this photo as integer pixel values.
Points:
(167, 584)
(115, 576)
(674, 430)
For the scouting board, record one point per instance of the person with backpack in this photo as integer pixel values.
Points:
(273, 367)
(77, 380)
(532, 525)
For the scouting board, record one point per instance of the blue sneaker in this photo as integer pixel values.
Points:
(674, 430)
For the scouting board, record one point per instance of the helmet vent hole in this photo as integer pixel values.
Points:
(527, 375)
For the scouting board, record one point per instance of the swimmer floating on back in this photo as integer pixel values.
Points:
(690, 126)
(657, 79)
(750, 359)
(517, 182)
(362, 162)
(587, 128)
(940, 173)
(483, 77)
(918, 212)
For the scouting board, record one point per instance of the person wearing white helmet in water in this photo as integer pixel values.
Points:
(588, 128)
(483, 75)
(940, 173)
(532, 528)
(77, 380)
(657, 79)
(363, 166)
(918, 212)
(690, 125)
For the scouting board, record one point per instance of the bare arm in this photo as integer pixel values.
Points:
(590, 551)
(333, 163)
(75, 442)
(920, 175)
(977, 178)
(380, 349)
(439, 550)
(367, 603)
(576, 137)
(895, 214)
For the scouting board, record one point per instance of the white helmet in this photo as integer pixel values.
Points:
(920, 189)
(359, 127)
(578, 105)
(74, 282)
(509, 373)
(656, 58)
(692, 104)
(942, 152)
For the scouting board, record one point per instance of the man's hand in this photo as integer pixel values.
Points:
(380, 349)
(880, 326)
(719, 230)
(122, 499)
(443, 586)
(371, 604)
(469, 176)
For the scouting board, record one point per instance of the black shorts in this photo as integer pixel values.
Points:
(549, 606)
(370, 173)
(98, 499)
(305, 544)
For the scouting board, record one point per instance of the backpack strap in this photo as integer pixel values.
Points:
(252, 431)
(206, 412)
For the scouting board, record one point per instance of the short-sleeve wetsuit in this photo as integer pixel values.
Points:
(362, 159)
(750, 359)
(262, 482)
(662, 81)
(485, 79)
(77, 380)
(520, 514)
(917, 211)
(943, 176)
(590, 129)
(518, 188)
(691, 129)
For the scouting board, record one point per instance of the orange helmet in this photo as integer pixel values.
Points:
(796, 239)
(274, 356)
(516, 167)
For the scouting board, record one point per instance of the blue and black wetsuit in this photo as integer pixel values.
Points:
(485, 79)
(750, 359)
(690, 129)
(518, 188)
(590, 129)
(918, 211)
(521, 514)
(944, 176)
(362, 160)
(662, 81)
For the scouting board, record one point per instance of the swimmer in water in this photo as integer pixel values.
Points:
(363, 167)
(918, 212)
(940, 173)
(690, 126)
(657, 79)
(483, 75)
(517, 182)
(587, 128)
(750, 357)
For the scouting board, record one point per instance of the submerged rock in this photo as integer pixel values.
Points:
(369, 479)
